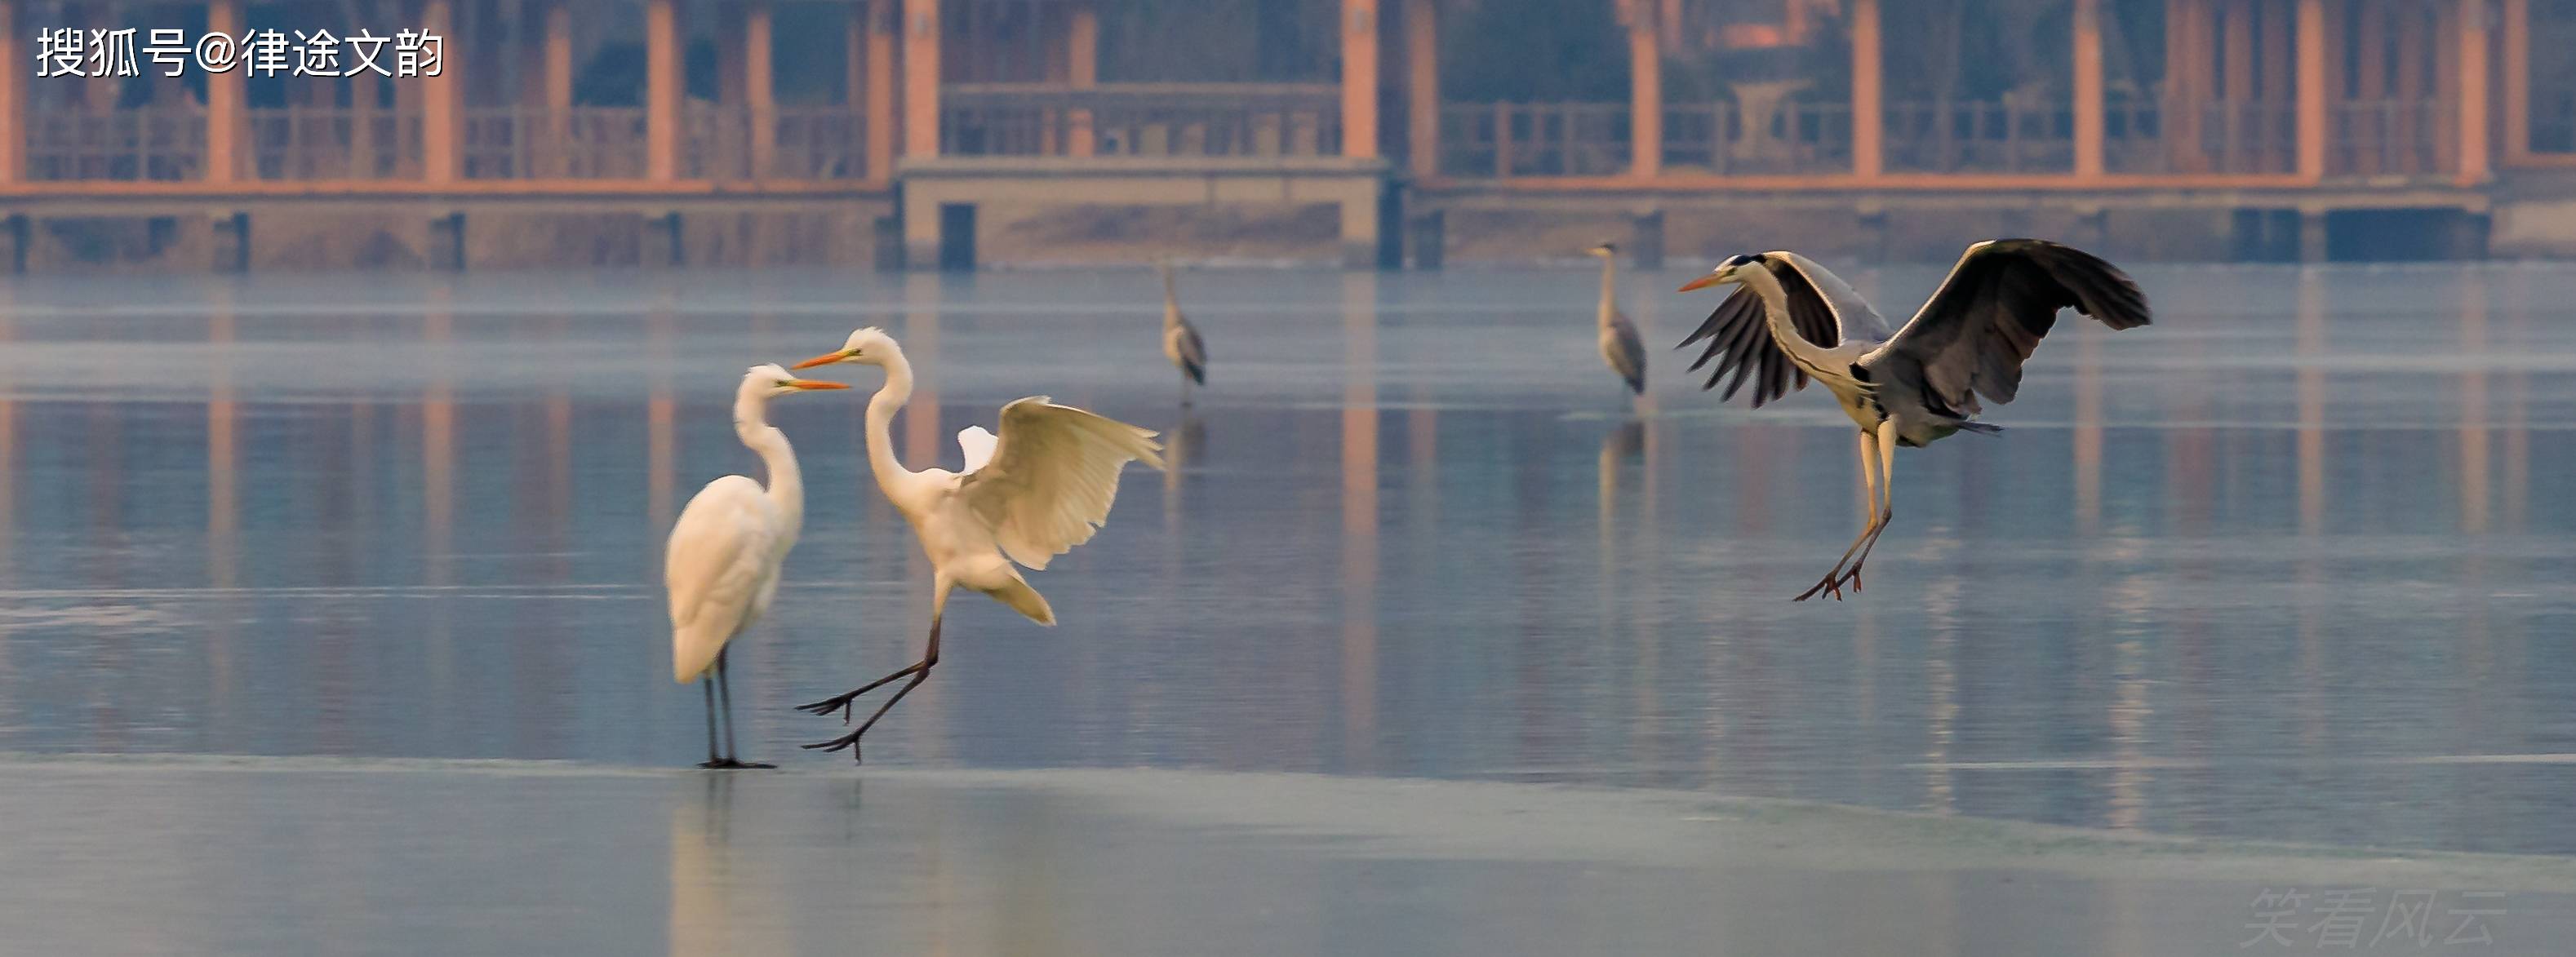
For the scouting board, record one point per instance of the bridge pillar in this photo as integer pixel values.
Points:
(662, 91)
(1360, 230)
(231, 247)
(1430, 240)
(1646, 241)
(1867, 103)
(920, 78)
(1359, 89)
(13, 102)
(223, 98)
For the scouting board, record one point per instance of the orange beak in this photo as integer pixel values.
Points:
(822, 360)
(1702, 282)
(818, 384)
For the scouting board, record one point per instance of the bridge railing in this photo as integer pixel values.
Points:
(1795, 138)
(134, 144)
(1980, 136)
(1501, 140)
(1140, 119)
(2395, 137)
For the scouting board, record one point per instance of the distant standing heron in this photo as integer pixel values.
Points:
(1790, 319)
(1181, 342)
(1620, 346)
(721, 565)
(1035, 491)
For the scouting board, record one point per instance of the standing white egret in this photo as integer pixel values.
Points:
(1181, 342)
(1035, 491)
(1620, 346)
(722, 562)
(1790, 320)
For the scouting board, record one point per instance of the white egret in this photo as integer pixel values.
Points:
(1620, 346)
(722, 562)
(1791, 319)
(1033, 492)
(1181, 342)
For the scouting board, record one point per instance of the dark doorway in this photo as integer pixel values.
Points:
(957, 237)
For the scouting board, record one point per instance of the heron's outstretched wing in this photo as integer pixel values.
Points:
(978, 445)
(1625, 352)
(1193, 353)
(1053, 475)
(1854, 319)
(1739, 339)
(714, 566)
(1971, 338)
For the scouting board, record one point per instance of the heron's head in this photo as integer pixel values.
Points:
(1605, 250)
(1726, 271)
(867, 347)
(767, 381)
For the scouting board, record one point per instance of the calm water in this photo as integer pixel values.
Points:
(2284, 565)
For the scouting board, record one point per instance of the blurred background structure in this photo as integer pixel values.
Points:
(922, 133)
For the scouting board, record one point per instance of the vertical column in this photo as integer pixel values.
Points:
(558, 88)
(1645, 94)
(1422, 87)
(2517, 79)
(758, 90)
(2089, 130)
(661, 90)
(879, 28)
(13, 110)
(1082, 69)
(1867, 98)
(2473, 92)
(920, 78)
(223, 98)
(2186, 82)
(1359, 79)
(2312, 88)
(441, 121)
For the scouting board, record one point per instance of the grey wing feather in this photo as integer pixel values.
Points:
(1739, 339)
(1854, 319)
(1971, 338)
(1627, 353)
(1193, 353)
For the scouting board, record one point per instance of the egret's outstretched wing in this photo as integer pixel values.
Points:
(1739, 339)
(978, 445)
(1973, 335)
(1053, 476)
(1625, 352)
(718, 555)
(1193, 353)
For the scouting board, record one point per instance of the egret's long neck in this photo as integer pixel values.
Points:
(1775, 314)
(1609, 288)
(881, 409)
(1171, 301)
(786, 483)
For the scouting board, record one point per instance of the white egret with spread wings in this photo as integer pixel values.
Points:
(1034, 491)
(1790, 320)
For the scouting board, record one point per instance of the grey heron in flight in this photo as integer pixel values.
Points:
(1619, 344)
(1790, 320)
(1181, 342)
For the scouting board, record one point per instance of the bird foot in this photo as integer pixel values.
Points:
(840, 703)
(729, 764)
(1831, 584)
(850, 741)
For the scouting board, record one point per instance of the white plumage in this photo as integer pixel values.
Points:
(722, 570)
(721, 564)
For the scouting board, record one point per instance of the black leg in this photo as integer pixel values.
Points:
(841, 702)
(920, 671)
(708, 684)
(724, 688)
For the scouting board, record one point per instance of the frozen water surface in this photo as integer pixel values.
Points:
(2284, 567)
